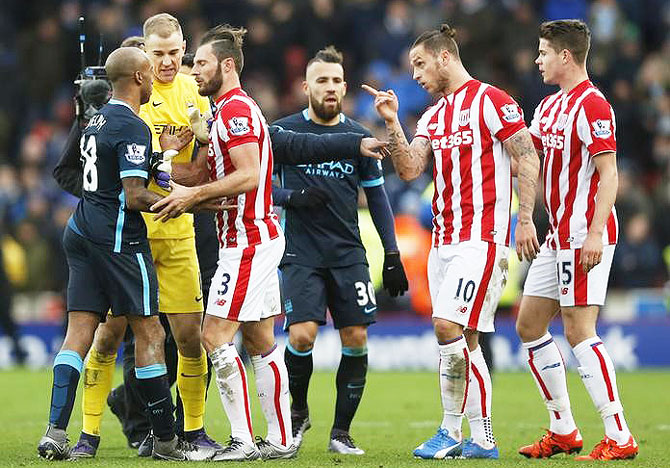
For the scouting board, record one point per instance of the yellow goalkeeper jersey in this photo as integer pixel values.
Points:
(168, 106)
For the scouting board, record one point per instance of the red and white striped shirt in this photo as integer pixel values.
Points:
(239, 120)
(472, 171)
(571, 128)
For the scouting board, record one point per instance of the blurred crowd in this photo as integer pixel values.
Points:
(629, 61)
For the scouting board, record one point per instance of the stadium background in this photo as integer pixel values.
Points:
(629, 61)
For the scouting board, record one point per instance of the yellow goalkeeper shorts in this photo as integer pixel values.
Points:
(179, 287)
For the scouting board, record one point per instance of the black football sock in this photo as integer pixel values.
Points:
(299, 366)
(350, 384)
(153, 385)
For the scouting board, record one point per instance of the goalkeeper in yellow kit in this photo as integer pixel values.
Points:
(174, 97)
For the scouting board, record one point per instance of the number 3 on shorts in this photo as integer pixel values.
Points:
(366, 293)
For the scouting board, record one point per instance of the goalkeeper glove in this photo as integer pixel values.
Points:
(393, 275)
(161, 168)
(199, 124)
(310, 197)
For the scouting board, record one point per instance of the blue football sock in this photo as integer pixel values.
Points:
(67, 368)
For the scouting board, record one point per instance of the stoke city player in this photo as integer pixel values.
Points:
(574, 129)
(245, 288)
(473, 134)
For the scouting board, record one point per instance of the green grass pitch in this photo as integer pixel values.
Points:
(398, 411)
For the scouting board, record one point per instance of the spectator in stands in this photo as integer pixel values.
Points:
(638, 261)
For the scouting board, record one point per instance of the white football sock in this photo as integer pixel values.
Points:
(597, 372)
(231, 378)
(478, 402)
(454, 376)
(546, 365)
(273, 393)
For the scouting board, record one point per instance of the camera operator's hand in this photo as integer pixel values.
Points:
(158, 170)
(175, 141)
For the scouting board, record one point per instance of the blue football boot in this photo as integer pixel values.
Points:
(471, 449)
(441, 445)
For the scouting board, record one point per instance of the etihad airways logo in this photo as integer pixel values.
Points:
(336, 169)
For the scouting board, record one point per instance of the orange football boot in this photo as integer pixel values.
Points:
(607, 449)
(551, 443)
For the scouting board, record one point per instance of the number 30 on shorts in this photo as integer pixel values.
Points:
(366, 293)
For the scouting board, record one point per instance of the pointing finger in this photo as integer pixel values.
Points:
(370, 89)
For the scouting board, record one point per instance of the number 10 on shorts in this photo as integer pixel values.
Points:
(465, 290)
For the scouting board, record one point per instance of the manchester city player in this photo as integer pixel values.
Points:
(110, 264)
(324, 263)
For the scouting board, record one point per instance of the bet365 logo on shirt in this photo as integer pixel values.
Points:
(462, 138)
(551, 140)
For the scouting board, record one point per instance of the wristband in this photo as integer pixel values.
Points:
(169, 154)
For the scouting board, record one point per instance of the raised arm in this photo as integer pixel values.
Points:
(292, 148)
(409, 159)
(524, 157)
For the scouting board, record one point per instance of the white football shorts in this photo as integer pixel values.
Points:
(466, 281)
(558, 275)
(245, 287)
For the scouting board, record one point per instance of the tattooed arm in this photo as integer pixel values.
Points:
(409, 159)
(525, 158)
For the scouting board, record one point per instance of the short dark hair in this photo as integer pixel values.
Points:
(328, 55)
(438, 40)
(133, 41)
(570, 34)
(226, 42)
(187, 59)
